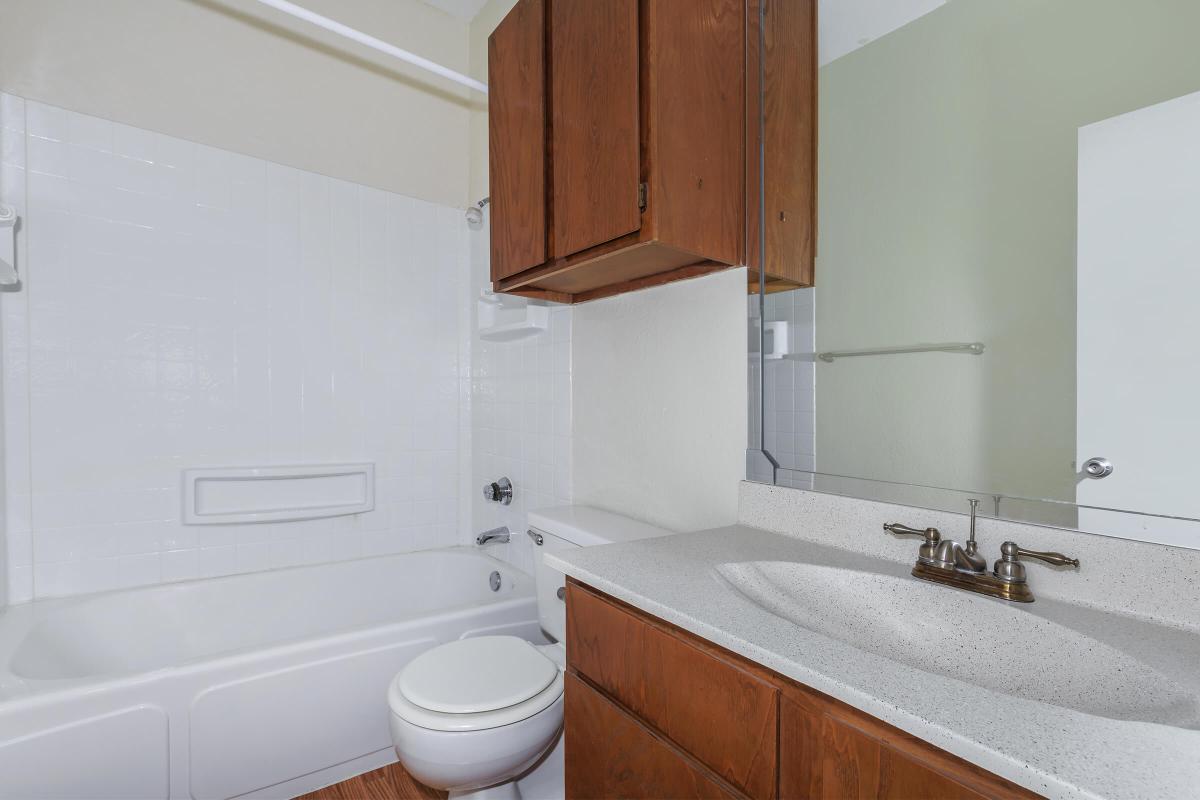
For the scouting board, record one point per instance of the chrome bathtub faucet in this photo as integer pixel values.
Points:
(500, 534)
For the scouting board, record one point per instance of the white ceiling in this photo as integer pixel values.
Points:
(463, 9)
(847, 25)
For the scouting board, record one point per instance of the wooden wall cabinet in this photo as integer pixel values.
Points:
(782, 118)
(653, 711)
(618, 142)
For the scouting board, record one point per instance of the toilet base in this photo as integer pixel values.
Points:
(544, 781)
(504, 791)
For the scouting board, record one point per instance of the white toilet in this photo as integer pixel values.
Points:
(473, 716)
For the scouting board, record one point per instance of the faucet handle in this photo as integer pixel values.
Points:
(932, 537)
(1010, 570)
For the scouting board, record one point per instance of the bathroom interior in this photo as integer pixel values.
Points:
(827, 367)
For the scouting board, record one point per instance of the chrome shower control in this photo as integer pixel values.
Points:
(500, 491)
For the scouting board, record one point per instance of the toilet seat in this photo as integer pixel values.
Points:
(476, 684)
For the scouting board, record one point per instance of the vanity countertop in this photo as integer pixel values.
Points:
(1053, 750)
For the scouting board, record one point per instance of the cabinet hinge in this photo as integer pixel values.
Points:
(642, 196)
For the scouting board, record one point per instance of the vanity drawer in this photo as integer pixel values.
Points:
(829, 751)
(609, 754)
(710, 707)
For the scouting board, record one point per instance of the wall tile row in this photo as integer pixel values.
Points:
(185, 306)
(520, 420)
(786, 398)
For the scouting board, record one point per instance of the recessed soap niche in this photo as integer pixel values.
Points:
(224, 496)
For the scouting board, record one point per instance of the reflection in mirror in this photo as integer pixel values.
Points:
(1009, 220)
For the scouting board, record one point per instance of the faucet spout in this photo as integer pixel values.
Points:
(500, 534)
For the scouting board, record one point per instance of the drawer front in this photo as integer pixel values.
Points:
(826, 753)
(722, 715)
(609, 754)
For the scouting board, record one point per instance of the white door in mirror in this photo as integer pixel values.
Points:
(1138, 333)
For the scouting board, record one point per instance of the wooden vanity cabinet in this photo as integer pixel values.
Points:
(617, 142)
(655, 712)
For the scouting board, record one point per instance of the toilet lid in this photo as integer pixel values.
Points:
(471, 676)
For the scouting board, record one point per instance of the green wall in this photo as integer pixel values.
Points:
(947, 213)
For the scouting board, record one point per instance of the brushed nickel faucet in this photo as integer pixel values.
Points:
(949, 563)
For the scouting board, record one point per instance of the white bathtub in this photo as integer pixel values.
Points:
(267, 685)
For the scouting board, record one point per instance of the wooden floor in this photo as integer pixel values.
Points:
(387, 783)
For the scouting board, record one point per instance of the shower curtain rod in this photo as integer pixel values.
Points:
(333, 26)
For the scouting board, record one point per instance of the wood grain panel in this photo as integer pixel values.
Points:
(824, 748)
(624, 264)
(722, 715)
(789, 136)
(901, 778)
(517, 139)
(832, 752)
(386, 783)
(658, 279)
(696, 85)
(634, 764)
(849, 763)
(594, 122)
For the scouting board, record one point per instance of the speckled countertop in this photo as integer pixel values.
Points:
(1056, 751)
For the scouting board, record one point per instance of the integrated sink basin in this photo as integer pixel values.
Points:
(992, 644)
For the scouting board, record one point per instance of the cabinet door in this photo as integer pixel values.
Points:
(517, 139)
(718, 713)
(609, 754)
(783, 120)
(595, 138)
(825, 757)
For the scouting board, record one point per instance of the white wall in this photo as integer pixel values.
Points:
(521, 418)
(659, 407)
(235, 75)
(14, 550)
(184, 306)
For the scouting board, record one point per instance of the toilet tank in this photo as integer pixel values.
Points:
(565, 528)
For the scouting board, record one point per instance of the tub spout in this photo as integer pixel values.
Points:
(494, 535)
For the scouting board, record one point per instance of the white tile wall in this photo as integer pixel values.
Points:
(16, 539)
(789, 388)
(185, 306)
(521, 420)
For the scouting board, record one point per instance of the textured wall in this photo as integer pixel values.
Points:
(659, 407)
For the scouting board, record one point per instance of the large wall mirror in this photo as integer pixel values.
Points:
(1006, 302)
